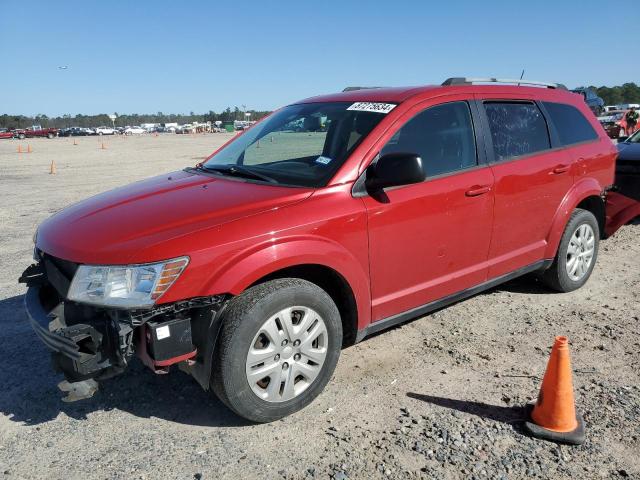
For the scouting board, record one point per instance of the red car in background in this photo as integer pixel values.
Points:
(36, 131)
(5, 133)
(615, 123)
(330, 220)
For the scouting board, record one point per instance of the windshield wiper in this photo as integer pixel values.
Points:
(238, 171)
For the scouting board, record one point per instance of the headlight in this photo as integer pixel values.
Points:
(130, 286)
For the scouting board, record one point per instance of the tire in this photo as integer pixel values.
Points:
(21, 136)
(558, 276)
(50, 135)
(244, 323)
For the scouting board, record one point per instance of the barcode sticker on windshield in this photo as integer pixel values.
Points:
(372, 107)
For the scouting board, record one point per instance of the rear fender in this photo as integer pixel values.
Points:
(246, 268)
(582, 189)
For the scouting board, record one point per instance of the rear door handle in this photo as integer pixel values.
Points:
(561, 169)
(478, 190)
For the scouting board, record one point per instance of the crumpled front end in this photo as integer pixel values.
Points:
(93, 343)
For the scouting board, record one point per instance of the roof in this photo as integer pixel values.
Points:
(387, 94)
(400, 94)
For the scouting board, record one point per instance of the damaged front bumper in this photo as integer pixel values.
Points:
(89, 342)
(90, 347)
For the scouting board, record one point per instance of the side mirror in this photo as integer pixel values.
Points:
(622, 138)
(395, 169)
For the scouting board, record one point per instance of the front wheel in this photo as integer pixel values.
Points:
(577, 253)
(279, 345)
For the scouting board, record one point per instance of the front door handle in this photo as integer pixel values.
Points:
(561, 169)
(478, 190)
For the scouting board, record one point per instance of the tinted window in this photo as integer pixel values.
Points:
(516, 129)
(571, 125)
(441, 135)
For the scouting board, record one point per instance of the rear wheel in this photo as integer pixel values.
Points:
(50, 135)
(577, 253)
(279, 345)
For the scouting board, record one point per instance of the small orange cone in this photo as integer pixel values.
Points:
(74, 142)
(29, 148)
(102, 147)
(19, 149)
(554, 417)
(53, 170)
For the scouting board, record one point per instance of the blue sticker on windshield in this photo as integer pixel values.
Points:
(323, 160)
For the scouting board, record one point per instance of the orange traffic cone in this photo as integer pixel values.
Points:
(554, 417)
(102, 147)
(53, 170)
(74, 142)
(29, 148)
(19, 149)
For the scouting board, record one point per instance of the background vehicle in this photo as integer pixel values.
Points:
(134, 130)
(623, 204)
(73, 132)
(330, 220)
(591, 98)
(611, 122)
(5, 133)
(36, 131)
(628, 161)
(105, 131)
(186, 129)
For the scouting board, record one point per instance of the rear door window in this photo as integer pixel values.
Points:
(517, 129)
(442, 136)
(570, 123)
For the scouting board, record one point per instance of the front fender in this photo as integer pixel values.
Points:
(242, 270)
(582, 189)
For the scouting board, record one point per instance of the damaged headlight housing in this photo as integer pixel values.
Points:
(125, 286)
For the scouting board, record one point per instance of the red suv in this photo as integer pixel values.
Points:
(331, 219)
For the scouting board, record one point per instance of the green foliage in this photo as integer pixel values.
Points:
(23, 121)
(626, 93)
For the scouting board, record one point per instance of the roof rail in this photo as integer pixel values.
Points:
(472, 80)
(351, 89)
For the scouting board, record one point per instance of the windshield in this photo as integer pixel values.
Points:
(300, 145)
(635, 138)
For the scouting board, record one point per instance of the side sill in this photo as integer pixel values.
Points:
(422, 310)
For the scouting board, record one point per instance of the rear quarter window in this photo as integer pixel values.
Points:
(570, 123)
(517, 129)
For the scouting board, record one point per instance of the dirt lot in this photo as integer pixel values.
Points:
(439, 398)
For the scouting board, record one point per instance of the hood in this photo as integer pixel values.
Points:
(628, 151)
(116, 227)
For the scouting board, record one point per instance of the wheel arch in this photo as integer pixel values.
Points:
(341, 273)
(595, 205)
(587, 194)
(331, 282)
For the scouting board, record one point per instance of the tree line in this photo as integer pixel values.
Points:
(625, 93)
(122, 120)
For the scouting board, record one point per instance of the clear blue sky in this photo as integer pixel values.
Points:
(190, 55)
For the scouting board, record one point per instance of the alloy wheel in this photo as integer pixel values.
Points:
(580, 252)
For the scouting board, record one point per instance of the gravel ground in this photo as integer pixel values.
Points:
(440, 397)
